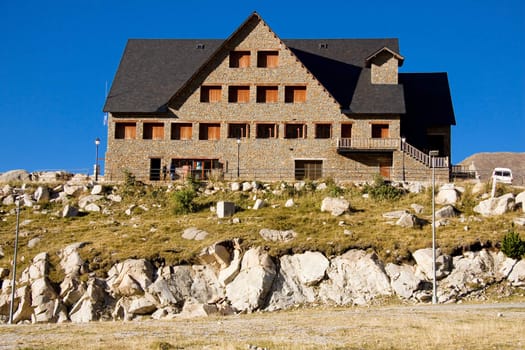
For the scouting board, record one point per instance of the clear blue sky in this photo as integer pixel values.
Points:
(56, 57)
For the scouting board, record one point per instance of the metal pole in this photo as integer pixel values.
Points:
(434, 284)
(403, 159)
(238, 157)
(97, 142)
(13, 282)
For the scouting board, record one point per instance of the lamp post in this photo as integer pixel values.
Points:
(403, 139)
(13, 281)
(433, 154)
(97, 143)
(238, 156)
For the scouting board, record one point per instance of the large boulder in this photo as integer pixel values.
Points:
(496, 206)
(41, 194)
(193, 233)
(248, 291)
(520, 201)
(295, 281)
(15, 176)
(403, 279)
(92, 305)
(45, 302)
(336, 206)
(447, 195)
(355, 277)
(130, 277)
(423, 258)
(39, 268)
(517, 275)
(473, 271)
(70, 259)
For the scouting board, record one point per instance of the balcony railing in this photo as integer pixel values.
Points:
(368, 144)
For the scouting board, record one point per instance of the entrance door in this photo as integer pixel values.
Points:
(154, 169)
(308, 169)
(384, 168)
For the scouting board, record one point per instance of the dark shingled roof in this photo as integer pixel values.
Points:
(153, 70)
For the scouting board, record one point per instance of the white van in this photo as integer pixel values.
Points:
(503, 175)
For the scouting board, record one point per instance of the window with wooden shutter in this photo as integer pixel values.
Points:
(239, 94)
(239, 59)
(380, 131)
(294, 94)
(181, 131)
(267, 94)
(209, 131)
(126, 131)
(153, 131)
(211, 94)
(267, 59)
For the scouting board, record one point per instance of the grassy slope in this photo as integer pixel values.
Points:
(156, 233)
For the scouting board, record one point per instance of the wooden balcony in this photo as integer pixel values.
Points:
(368, 144)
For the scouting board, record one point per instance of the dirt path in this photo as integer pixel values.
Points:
(472, 326)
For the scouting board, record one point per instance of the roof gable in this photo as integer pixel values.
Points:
(384, 50)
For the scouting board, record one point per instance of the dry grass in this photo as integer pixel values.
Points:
(156, 233)
(405, 327)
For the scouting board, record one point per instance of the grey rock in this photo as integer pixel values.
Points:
(277, 236)
(15, 176)
(355, 277)
(194, 233)
(496, 206)
(446, 212)
(41, 194)
(225, 209)
(336, 206)
(423, 258)
(69, 211)
(397, 214)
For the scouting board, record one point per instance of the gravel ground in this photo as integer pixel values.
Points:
(473, 326)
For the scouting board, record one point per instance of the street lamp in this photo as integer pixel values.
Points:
(97, 143)
(403, 139)
(433, 154)
(13, 282)
(238, 159)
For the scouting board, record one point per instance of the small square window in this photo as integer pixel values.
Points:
(294, 94)
(238, 131)
(267, 59)
(323, 131)
(153, 131)
(267, 94)
(211, 93)
(239, 59)
(295, 131)
(127, 131)
(238, 94)
(266, 131)
(181, 131)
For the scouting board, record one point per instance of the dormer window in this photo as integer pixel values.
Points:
(384, 65)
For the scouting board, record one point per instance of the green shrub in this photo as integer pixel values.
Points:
(183, 199)
(513, 246)
(382, 190)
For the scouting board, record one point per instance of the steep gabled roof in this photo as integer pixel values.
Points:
(370, 58)
(151, 70)
(339, 65)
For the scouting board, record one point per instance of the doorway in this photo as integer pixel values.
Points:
(154, 169)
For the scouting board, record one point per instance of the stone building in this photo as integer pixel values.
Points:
(256, 106)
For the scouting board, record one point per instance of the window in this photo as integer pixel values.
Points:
(308, 169)
(323, 131)
(295, 131)
(379, 131)
(267, 59)
(238, 131)
(153, 131)
(209, 131)
(239, 94)
(181, 131)
(294, 94)
(266, 131)
(346, 131)
(126, 131)
(239, 59)
(267, 94)
(210, 94)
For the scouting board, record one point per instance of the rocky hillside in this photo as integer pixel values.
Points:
(484, 163)
(90, 251)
